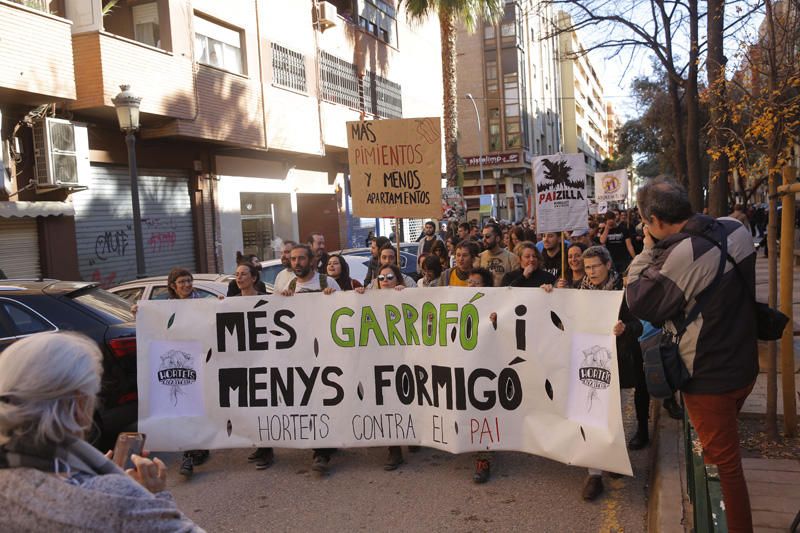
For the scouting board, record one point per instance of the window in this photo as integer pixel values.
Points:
(488, 32)
(513, 139)
(378, 17)
(494, 130)
(288, 68)
(145, 24)
(26, 321)
(217, 46)
(341, 84)
(132, 295)
(491, 77)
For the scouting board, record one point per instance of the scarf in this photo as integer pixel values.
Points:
(613, 283)
(71, 456)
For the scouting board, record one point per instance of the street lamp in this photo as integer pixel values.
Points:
(496, 174)
(480, 138)
(127, 105)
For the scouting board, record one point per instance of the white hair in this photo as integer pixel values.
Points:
(42, 378)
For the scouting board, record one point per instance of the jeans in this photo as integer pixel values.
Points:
(714, 417)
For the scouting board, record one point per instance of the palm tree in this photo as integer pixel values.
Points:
(450, 12)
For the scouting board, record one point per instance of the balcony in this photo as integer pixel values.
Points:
(37, 65)
(106, 61)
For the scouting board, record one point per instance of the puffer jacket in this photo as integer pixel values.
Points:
(720, 347)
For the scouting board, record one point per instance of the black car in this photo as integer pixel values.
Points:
(28, 307)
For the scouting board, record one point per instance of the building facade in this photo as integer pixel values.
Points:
(584, 114)
(510, 70)
(242, 135)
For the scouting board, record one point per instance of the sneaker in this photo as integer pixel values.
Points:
(266, 459)
(395, 458)
(320, 464)
(639, 441)
(482, 471)
(256, 455)
(673, 409)
(592, 488)
(187, 466)
(199, 456)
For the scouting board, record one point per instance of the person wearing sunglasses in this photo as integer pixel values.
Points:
(494, 258)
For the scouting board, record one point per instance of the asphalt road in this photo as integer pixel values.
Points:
(432, 491)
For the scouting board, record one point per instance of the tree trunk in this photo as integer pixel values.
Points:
(715, 67)
(679, 161)
(773, 151)
(447, 23)
(693, 168)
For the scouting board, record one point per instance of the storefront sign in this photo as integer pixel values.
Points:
(508, 158)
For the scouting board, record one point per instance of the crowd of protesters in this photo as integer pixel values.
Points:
(657, 261)
(494, 254)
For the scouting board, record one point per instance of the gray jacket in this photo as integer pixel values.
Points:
(720, 347)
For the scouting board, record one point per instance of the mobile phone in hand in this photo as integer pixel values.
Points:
(128, 444)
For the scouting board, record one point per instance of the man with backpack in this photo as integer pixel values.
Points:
(693, 260)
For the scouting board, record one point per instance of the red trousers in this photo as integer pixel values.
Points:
(714, 417)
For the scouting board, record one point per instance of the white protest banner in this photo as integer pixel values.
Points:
(560, 193)
(611, 186)
(417, 367)
(396, 167)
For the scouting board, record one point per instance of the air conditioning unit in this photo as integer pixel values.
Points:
(327, 15)
(61, 152)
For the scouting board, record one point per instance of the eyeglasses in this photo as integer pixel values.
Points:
(487, 236)
(386, 277)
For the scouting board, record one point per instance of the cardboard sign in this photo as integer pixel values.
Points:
(611, 186)
(561, 203)
(413, 367)
(396, 167)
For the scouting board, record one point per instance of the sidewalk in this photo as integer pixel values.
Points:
(774, 484)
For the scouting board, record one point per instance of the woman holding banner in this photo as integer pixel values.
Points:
(246, 279)
(575, 273)
(600, 275)
(390, 277)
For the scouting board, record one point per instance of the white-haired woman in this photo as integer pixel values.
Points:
(50, 477)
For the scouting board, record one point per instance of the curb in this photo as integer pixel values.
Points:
(667, 501)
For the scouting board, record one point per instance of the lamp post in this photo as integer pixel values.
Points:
(496, 174)
(480, 138)
(127, 105)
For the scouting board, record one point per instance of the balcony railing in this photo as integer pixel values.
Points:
(39, 5)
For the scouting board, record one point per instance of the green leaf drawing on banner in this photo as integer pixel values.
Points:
(477, 296)
(170, 321)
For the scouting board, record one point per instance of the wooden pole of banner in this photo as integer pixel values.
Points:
(397, 223)
(563, 256)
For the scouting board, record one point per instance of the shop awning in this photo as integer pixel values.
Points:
(35, 209)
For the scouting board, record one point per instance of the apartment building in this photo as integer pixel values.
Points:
(584, 113)
(613, 124)
(511, 72)
(242, 136)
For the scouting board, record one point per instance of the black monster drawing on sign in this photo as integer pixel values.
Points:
(558, 173)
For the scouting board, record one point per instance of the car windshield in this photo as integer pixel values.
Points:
(109, 306)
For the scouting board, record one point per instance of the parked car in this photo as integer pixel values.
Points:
(155, 288)
(33, 306)
(408, 258)
(358, 269)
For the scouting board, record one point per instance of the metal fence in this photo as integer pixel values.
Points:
(703, 485)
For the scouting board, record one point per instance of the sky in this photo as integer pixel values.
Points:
(617, 71)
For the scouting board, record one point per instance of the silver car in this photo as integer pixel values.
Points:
(155, 288)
